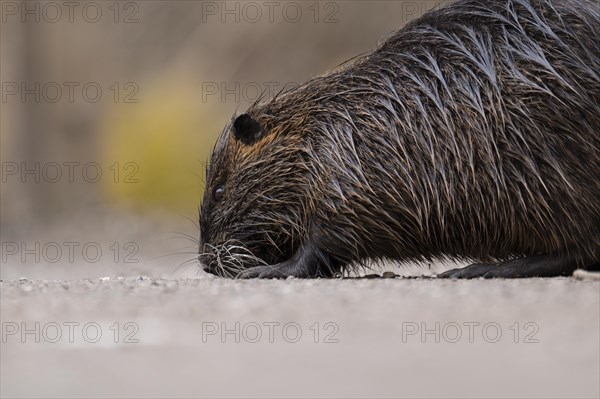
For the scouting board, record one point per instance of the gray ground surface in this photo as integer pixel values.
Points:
(373, 348)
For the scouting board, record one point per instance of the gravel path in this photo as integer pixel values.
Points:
(212, 337)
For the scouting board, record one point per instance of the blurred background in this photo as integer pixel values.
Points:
(110, 110)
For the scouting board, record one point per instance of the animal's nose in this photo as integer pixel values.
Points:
(205, 263)
(204, 258)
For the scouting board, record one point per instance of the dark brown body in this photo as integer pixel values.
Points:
(472, 133)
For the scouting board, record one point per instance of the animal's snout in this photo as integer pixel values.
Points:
(205, 256)
(206, 260)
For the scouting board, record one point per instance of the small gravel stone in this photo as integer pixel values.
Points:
(374, 275)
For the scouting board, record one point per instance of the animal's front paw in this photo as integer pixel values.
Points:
(262, 272)
(472, 271)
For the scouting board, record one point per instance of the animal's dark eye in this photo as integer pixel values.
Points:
(219, 190)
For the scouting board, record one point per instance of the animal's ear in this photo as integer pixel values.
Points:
(246, 129)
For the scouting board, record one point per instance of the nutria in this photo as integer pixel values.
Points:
(473, 133)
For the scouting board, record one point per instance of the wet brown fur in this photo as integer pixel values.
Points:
(472, 133)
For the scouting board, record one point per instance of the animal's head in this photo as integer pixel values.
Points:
(255, 206)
